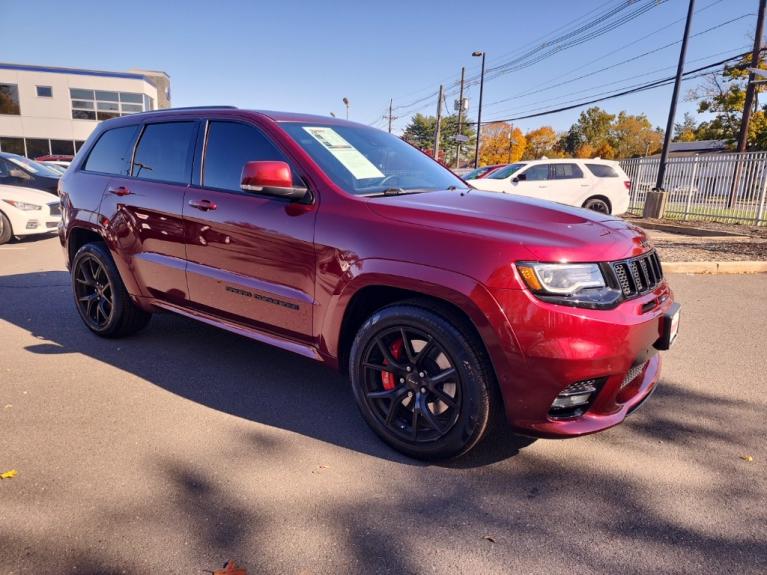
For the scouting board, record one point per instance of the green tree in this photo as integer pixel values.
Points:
(723, 94)
(420, 133)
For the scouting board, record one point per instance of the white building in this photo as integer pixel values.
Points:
(46, 110)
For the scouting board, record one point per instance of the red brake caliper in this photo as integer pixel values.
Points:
(387, 377)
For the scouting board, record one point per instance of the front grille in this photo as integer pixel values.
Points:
(637, 276)
(55, 208)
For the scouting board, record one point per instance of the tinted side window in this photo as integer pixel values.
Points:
(602, 170)
(565, 171)
(164, 152)
(111, 154)
(230, 146)
(537, 173)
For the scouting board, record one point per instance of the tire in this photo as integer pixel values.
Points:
(100, 295)
(597, 205)
(6, 232)
(452, 412)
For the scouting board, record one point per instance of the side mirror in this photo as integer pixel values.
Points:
(519, 178)
(272, 178)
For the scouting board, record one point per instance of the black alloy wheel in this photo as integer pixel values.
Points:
(93, 292)
(422, 380)
(411, 384)
(100, 295)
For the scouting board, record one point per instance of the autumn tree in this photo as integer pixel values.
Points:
(685, 130)
(632, 136)
(501, 143)
(541, 142)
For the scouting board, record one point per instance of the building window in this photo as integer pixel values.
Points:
(62, 147)
(103, 105)
(12, 145)
(9, 99)
(78, 145)
(37, 147)
(44, 92)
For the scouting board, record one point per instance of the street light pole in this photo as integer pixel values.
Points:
(346, 103)
(479, 112)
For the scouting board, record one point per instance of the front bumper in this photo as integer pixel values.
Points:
(560, 345)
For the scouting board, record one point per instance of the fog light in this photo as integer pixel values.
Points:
(574, 399)
(32, 224)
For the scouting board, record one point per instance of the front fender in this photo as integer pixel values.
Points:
(463, 292)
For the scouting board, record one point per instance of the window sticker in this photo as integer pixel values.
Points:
(349, 156)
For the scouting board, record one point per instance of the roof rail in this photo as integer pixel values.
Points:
(191, 108)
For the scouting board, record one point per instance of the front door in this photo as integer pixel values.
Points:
(250, 257)
(533, 182)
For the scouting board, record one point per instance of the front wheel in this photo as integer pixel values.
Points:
(421, 383)
(100, 295)
(6, 233)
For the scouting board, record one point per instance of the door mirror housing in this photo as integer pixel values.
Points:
(519, 178)
(271, 178)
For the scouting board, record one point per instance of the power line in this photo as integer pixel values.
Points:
(644, 87)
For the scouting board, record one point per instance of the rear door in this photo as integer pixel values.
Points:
(568, 182)
(251, 257)
(144, 208)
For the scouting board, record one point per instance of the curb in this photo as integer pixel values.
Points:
(744, 267)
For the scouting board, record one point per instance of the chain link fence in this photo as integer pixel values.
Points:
(716, 187)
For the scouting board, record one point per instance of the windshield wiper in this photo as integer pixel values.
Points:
(395, 192)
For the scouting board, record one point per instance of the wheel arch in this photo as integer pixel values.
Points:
(77, 237)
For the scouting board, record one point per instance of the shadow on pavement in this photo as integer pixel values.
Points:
(221, 370)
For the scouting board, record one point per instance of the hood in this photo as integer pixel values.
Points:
(547, 230)
(28, 195)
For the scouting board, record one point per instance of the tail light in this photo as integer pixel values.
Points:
(627, 183)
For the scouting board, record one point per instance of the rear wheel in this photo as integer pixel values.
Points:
(6, 233)
(420, 383)
(100, 295)
(597, 205)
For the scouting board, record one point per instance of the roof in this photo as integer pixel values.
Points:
(77, 71)
(698, 146)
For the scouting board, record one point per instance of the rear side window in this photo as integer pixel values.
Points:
(112, 152)
(164, 152)
(602, 170)
(565, 171)
(230, 146)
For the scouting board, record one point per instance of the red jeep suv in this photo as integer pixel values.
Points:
(447, 305)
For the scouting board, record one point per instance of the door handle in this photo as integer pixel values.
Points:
(120, 191)
(203, 205)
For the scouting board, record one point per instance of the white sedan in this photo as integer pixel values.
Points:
(24, 211)
(599, 185)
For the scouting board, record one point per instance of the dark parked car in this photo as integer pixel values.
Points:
(19, 171)
(447, 306)
(482, 172)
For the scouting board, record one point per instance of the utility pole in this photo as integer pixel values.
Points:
(655, 203)
(439, 122)
(749, 103)
(479, 113)
(391, 116)
(460, 118)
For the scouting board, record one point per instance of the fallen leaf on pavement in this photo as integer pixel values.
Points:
(8, 474)
(230, 568)
(488, 538)
(747, 458)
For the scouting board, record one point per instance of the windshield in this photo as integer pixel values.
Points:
(365, 161)
(33, 167)
(477, 172)
(504, 173)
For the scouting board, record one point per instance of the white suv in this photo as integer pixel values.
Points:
(599, 185)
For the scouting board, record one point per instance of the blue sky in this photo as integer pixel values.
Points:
(306, 56)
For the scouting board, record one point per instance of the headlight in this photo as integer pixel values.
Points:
(23, 205)
(561, 278)
(577, 285)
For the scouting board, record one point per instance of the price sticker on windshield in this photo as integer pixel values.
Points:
(349, 156)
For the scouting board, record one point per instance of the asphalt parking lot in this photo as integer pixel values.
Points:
(185, 446)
